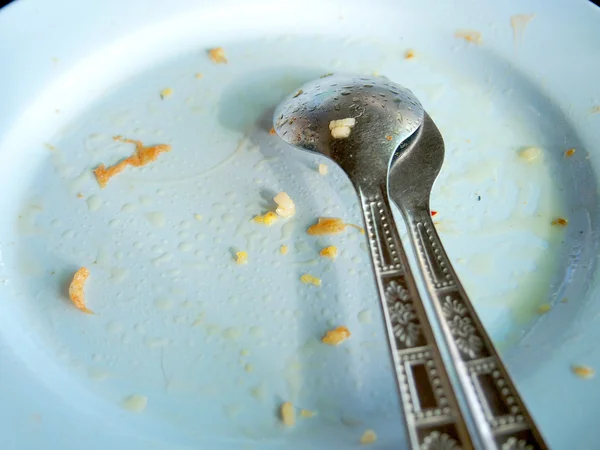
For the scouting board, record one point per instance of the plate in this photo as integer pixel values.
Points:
(187, 349)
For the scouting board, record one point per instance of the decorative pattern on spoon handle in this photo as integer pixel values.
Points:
(504, 411)
(431, 411)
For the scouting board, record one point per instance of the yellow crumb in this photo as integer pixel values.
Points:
(583, 371)
(340, 129)
(559, 222)
(199, 76)
(336, 336)
(283, 249)
(141, 157)
(288, 415)
(307, 414)
(410, 54)
(198, 217)
(368, 437)
(241, 257)
(471, 36)
(543, 309)
(323, 169)
(79, 195)
(217, 55)
(569, 153)
(530, 154)
(76, 289)
(285, 205)
(166, 93)
(309, 279)
(329, 252)
(330, 225)
(266, 219)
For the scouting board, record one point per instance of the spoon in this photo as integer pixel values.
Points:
(487, 387)
(359, 122)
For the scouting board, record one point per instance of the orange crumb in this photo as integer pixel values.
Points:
(330, 225)
(569, 153)
(329, 252)
(336, 336)
(141, 157)
(76, 289)
(217, 55)
(272, 131)
(409, 54)
(471, 36)
(583, 371)
(559, 222)
(388, 137)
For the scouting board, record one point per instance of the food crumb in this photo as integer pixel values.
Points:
(166, 93)
(285, 206)
(309, 279)
(288, 415)
(543, 309)
(272, 131)
(297, 94)
(530, 154)
(241, 257)
(330, 225)
(79, 195)
(76, 290)
(135, 403)
(323, 169)
(266, 219)
(199, 76)
(389, 137)
(329, 252)
(283, 249)
(559, 222)
(569, 153)
(217, 55)
(368, 437)
(410, 54)
(336, 336)
(583, 371)
(471, 36)
(340, 129)
(595, 109)
(198, 217)
(141, 157)
(307, 414)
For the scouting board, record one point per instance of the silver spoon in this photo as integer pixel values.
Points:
(485, 382)
(382, 115)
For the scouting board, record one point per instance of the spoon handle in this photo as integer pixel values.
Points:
(485, 382)
(431, 410)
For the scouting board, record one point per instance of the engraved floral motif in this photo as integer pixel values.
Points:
(402, 314)
(439, 441)
(461, 327)
(516, 444)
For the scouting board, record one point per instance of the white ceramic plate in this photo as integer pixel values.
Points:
(189, 350)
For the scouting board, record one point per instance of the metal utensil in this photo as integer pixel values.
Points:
(380, 116)
(487, 387)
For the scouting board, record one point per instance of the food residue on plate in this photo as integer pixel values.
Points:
(266, 219)
(323, 169)
(241, 257)
(283, 249)
(583, 371)
(330, 225)
(309, 279)
(518, 23)
(543, 309)
(307, 414)
(595, 109)
(217, 55)
(272, 131)
(336, 336)
(288, 414)
(368, 437)
(530, 154)
(469, 35)
(199, 76)
(135, 403)
(76, 290)
(285, 206)
(166, 93)
(569, 153)
(409, 54)
(329, 252)
(559, 222)
(141, 157)
(340, 129)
